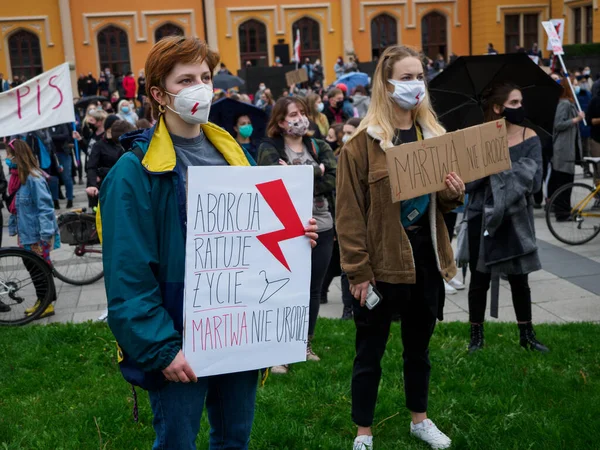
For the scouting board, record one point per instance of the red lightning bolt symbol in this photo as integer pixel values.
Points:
(498, 125)
(417, 97)
(278, 198)
(195, 108)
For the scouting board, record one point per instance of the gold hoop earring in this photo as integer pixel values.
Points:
(161, 109)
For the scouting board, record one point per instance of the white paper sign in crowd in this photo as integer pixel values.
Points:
(247, 280)
(41, 102)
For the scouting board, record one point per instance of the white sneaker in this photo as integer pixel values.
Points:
(456, 284)
(429, 433)
(363, 443)
(449, 289)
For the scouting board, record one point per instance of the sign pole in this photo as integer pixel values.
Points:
(564, 68)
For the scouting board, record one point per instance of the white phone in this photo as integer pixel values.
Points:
(373, 297)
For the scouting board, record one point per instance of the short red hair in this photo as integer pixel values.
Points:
(566, 92)
(172, 50)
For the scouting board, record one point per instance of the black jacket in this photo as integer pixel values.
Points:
(33, 142)
(103, 157)
(334, 114)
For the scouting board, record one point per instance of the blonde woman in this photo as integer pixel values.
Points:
(402, 249)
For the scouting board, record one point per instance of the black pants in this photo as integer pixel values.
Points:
(333, 270)
(347, 298)
(480, 282)
(413, 303)
(320, 257)
(563, 202)
(450, 221)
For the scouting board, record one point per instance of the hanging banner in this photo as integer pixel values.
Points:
(248, 263)
(421, 167)
(41, 102)
(559, 27)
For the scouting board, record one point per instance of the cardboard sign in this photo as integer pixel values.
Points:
(296, 76)
(41, 102)
(421, 167)
(248, 263)
(559, 27)
(554, 41)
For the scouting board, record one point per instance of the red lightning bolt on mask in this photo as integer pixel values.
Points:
(195, 108)
(278, 198)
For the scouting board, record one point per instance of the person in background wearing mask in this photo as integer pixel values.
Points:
(347, 104)
(144, 260)
(267, 101)
(102, 85)
(361, 101)
(277, 62)
(126, 112)
(91, 86)
(401, 248)
(318, 75)
(567, 146)
(107, 107)
(257, 97)
(584, 97)
(129, 86)
(492, 210)
(335, 137)
(315, 113)
(309, 70)
(350, 128)
(556, 77)
(243, 129)
(491, 50)
(586, 82)
(289, 143)
(334, 108)
(536, 53)
(105, 154)
(338, 68)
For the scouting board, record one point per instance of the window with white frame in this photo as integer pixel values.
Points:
(582, 24)
(521, 31)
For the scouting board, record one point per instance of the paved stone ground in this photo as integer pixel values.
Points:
(567, 290)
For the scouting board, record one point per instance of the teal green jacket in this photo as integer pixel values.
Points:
(143, 228)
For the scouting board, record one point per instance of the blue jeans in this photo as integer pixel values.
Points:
(230, 399)
(66, 161)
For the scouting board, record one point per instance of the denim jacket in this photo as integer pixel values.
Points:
(35, 212)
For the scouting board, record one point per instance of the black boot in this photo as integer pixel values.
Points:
(476, 337)
(56, 204)
(528, 339)
(69, 203)
(347, 313)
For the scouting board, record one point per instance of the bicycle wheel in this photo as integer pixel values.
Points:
(79, 260)
(569, 219)
(26, 283)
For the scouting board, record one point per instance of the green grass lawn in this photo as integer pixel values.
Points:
(60, 388)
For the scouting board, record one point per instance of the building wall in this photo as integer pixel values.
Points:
(39, 17)
(409, 14)
(278, 17)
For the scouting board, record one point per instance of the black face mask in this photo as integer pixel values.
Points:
(334, 145)
(516, 116)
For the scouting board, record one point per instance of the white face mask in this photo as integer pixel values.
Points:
(320, 107)
(193, 103)
(408, 94)
(345, 138)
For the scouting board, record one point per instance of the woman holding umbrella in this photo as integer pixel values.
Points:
(500, 219)
(401, 248)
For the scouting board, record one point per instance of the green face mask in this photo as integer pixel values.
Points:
(245, 130)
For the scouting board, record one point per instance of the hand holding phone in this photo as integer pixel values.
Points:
(373, 297)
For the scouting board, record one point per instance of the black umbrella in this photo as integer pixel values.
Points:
(223, 113)
(225, 81)
(85, 101)
(456, 92)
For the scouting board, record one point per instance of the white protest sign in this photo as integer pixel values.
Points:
(554, 42)
(247, 280)
(41, 102)
(559, 27)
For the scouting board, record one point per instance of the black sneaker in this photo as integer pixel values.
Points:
(56, 204)
(69, 204)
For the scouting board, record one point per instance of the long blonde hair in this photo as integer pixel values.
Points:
(381, 109)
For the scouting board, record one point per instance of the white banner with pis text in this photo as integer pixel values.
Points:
(41, 102)
(248, 263)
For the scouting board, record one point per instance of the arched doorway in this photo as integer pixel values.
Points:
(310, 38)
(113, 50)
(434, 35)
(167, 29)
(384, 32)
(25, 54)
(252, 36)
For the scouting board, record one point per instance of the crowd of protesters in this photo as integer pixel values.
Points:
(356, 232)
